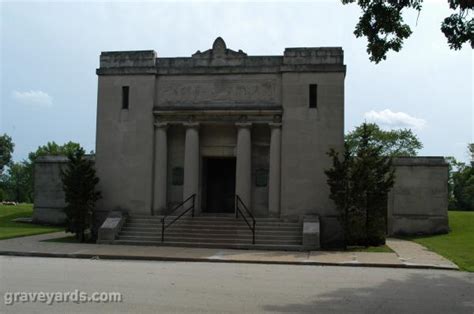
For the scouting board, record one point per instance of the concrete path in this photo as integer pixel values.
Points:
(169, 287)
(411, 253)
(407, 254)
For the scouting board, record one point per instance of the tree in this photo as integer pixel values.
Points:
(51, 148)
(383, 26)
(359, 185)
(463, 188)
(79, 184)
(461, 183)
(6, 151)
(453, 167)
(470, 148)
(395, 143)
(339, 185)
(15, 183)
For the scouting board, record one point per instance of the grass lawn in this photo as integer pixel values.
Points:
(9, 229)
(458, 245)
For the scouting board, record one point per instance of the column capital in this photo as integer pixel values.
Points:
(275, 125)
(244, 124)
(191, 125)
(161, 125)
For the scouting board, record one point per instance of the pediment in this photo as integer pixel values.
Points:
(219, 50)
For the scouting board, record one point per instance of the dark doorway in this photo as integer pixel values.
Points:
(219, 182)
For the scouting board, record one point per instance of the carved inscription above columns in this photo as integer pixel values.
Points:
(218, 92)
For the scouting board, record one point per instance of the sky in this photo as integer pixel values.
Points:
(50, 51)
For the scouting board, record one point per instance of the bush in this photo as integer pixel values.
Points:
(79, 184)
(359, 185)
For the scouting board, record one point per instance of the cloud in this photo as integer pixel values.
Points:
(392, 119)
(33, 98)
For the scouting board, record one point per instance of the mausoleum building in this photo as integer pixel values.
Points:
(223, 129)
(217, 124)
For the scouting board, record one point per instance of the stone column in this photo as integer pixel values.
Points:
(191, 161)
(243, 176)
(161, 168)
(275, 170)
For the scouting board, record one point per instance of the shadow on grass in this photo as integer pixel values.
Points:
(10, 229)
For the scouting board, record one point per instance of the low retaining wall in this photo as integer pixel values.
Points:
(418, 202)
(49, 200)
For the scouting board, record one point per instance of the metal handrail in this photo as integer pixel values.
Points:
(163, 220)
(238, 201)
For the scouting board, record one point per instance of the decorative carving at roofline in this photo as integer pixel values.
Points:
(219, 51)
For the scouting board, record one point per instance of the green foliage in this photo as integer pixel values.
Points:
(458, 28)
(453, 165)
(461, 183)
(393, 143)
(16, 184)
(382, 24)
(463, 188)
(470, 148)
(51, 148)
(359, 184)
(6, 151)
(79, 183)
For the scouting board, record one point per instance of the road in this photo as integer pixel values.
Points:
(170, 287)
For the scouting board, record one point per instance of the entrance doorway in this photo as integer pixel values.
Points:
(219, 185)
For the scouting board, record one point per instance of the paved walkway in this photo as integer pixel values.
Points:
(407, 254)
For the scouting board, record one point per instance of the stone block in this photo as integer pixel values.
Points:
(311, 233)
(111, 227)
(145, 58)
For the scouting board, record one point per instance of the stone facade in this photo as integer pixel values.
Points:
(185, 112)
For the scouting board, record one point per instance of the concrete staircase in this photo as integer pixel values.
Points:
(213, 232)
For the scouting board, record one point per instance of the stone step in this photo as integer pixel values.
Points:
(296, 237)
(286, 247)
(196, 239)
(214, 223)
(197, 228)
(212, 231)
(208, 218)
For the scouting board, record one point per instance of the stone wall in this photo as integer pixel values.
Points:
(49, 200)
(418, 202)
